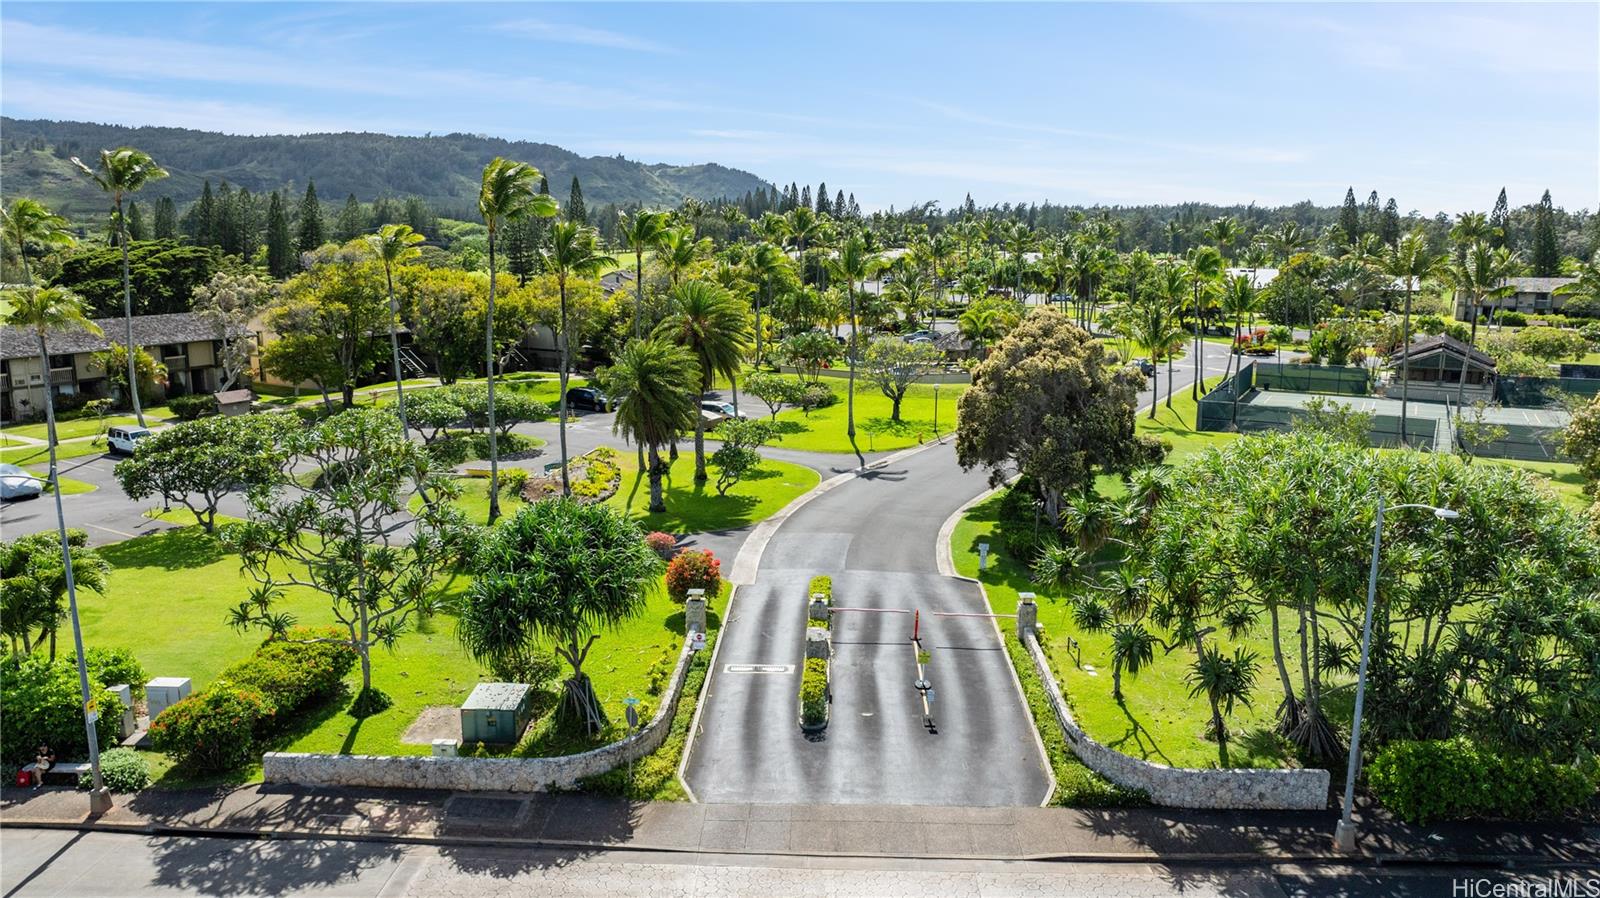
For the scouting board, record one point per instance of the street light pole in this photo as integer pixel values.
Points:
(1344, 835)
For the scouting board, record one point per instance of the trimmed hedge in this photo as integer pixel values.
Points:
(821, 583)
(814, 692)
(1454, 779)
(41, 701)
(115, 667)
(214, 730)
(122, 769)
(193, 406)
(219, 728)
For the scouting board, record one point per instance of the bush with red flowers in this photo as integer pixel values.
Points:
(663, 544)
(693, 570)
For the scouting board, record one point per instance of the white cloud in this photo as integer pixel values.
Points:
(566, 33)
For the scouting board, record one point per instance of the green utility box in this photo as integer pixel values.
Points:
(496, 712)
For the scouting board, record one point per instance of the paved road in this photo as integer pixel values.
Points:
(102, 865)
(876, 537)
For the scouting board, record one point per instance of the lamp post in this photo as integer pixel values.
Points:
(1344, 835)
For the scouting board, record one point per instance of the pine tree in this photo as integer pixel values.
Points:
(1389, 230)
(1350, 216)
(805, 197)
(823, 208)
(280, 252)
(351, 222)
(1546, 256)
(226, 230)
(1500, 220)
(840, 210)
(968, 207)
(203, 218)
(135, 223)
(311, 234)
(166, 223)
(521, 247)
(248, 223)
(575, 209)
(1371, 214)
(421, 218)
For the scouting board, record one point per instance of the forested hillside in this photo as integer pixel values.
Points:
(443, 170)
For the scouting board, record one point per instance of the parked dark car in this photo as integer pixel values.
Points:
(1146, 367)
(589, 398)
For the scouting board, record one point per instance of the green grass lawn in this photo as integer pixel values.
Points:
(39, 455)
(1561, 477)
(67, 430)
(169, 593)
(824, 429)
(690, 509)
(1158, 722)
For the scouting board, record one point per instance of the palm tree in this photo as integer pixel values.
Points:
(1411, 261)
(1480, 273)
(120, 172)
(853, 264)
(714, 327)
(395, 244)
(805, 229)
(1224, 232)
(1133, 648)
(642, 231)
(1206, 267)
(1239, 298)
(1224, 681)
(28, 221)
(1171, 293)
(677, 250)
(1587, 285)
(573, 251)
(657, 382)
(1471, 228)
(980, 327)
(1019, 241)
(768, 265)
(510, 191)
(1287, 239)
(909, 292)
(45, 311)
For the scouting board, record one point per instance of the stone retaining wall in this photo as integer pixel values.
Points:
(1285, 789)
(479, 774)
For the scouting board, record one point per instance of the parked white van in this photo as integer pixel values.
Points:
(122, 439)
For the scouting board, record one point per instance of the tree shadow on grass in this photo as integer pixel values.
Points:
(172, 550)
(674, 622)
(1143, 741)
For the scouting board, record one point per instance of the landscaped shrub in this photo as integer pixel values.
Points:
(42, 702)
(823, 584)
(122, 770)
(814, 692)
(512, 481)
(287, 674)
(1454, 779)
(1511, 319)
(694, 570)
(815, 396)
(663, 544)
(192, 406)
(115, 667)
(214, 730)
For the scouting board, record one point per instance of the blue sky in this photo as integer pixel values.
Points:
(1436, 104)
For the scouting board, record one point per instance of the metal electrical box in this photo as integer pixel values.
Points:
(496, 712)
(164, 692)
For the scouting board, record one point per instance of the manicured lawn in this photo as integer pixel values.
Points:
(824, 429)
(169, 594)
(1175, 426)
(1561, 477)
(40, 455)
(67, 430)
(1159, 722)
(695, 508)
(690, 509)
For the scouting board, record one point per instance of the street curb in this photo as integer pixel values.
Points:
(748, 561)
(705, 692)
(1519, 862)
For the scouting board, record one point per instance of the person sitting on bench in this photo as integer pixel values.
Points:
(43, 760)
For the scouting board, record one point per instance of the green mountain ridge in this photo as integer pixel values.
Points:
(444, 169)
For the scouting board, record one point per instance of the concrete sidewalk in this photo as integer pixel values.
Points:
(573, 820)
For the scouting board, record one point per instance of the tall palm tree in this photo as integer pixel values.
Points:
(1239, 298)
(395, 244)
(853, 264)
(805, 229)
(1206, 268)
(657, 382)
(1587, 285)
(1409, 260)
(768, 266)
(1480, 273)
(120, 172)
(43, 312)
(1224, 232)
(1471, 228)
(510, 191)
(1171, 294)
(677, 250)
(29, 221)
(714, 326)
(1133, 648)
(1019, 241)
(641, 231)
(573, 252)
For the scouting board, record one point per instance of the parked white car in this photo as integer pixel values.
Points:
(715, 411)
(123, 439)
(15, 483)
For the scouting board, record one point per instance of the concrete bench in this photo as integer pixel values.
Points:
(69, 769)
